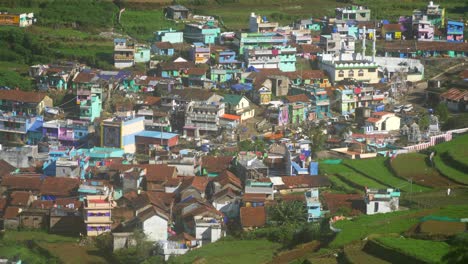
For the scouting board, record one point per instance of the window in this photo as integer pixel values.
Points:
(350, 73)
(372, 70)
(341, 74)
(360, 73)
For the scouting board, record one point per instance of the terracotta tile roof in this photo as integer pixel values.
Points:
(464, 74)
(20, 198)
(11, 212)
(455, 95)
(197, 182)
(176, 66)
(373, 120)
(392, 27)
(231, 117)
(335, 201)
(293, 197)
(302, 181)
(181, 237)
(253, 216)
(84, 77)
(173, 182)
(381, 113)
(22, 96)
(424, 46)
(19, 182)
(156, 199)
(159, 172)
(5, 168)
(197, 71)
(216, 163)
(3, 203)
(309, 48)
(226, 177)
(59, 186)
(312, 74)
(226, 192)
(190, 94)
(254, 197)
(298, 98)
(151, 100)
(163, 45)
(62, 202)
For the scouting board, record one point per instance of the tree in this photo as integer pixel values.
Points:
(424, 122)
(317, 137)
(442, 112)
(13, 80)
(136, 254)
(287, 213)
(458, 251)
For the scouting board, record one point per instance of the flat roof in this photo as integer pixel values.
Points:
(157, 134)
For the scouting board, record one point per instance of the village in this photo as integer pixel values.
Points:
(200, 135)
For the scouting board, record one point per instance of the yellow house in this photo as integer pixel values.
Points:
(391, 31)
(18, 20)
(359, 70)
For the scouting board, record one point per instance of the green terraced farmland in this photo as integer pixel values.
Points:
(451, 159)
(350, 176)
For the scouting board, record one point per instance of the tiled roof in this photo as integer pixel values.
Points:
(62, 202)
(231, 117)
(21, 96)
(182, 236)
(163, 45)
(312, 74)
(84, 77)
(151, 100)
(254, 197)
(11, 212)
(253, 216)
(19, 182)
(216, 163)
(309, 48)
(455, 95)
(298, 98)
(373, 120)
(232, 99)
(381, 113)
(226, 192)
(392, 27)
(227, 177)
(197, 182)
(3, 203)
(301, 181)
(5, 168)
(413, 46)
(464, 74)
(335, 201)
(159, 172)
(59, 186)
(176, 66)
(20, 198)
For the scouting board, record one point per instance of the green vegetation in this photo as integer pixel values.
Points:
(339, 185)
(350, 176)
(229, 251)
(425, 250)
(451, 159)
(459, 250)
(141, 24)
(377, 169)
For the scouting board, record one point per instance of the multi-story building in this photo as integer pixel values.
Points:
(206, 33)
(169, 35)
(264, 40)
(239, 105)
(119, 132)
(227, 67)
(335, 43)
(301, 36)
(381, 200)
(455, 31)
(423, 29)
(142, 53)
(297, 112)
(259, 24)
(24, 103)
(54, 76)
(345, 28)
(358, 13)
(346, 100)
(97, 214)
(20, 129)
(367, 96)
(314, 212)
(18, 20)
(124, 54)
(280, 57)
(155, 120)
(89, 89)
(67, 132)
(360, 70)
(435, 14)
(202, 118)
(320, 102)
(200, 53)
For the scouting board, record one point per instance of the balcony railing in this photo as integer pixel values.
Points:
(21, 129)
(322, 102)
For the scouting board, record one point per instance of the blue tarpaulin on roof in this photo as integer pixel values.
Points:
(241, 87)
(252, 69)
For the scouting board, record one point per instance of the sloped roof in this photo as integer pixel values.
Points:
(19, 182)
(227, 177)
(62, 202)
(59, 186)
(455, 94)
(163, 45)
(253, 216)
(5, 168)
(151, 100)
(298, 98)
(3, 203)
(312, 74)
(22, 96)
(309, 48)
(197, 71)
(216, 163)
(226, 192)
(232, 99)
(182, 236)
(304, 181)
(19, 198)
(11, 212)
(392, 27)
(159, 172)
(176, 66)
(197, 182)
(190, 94)
(254, 197)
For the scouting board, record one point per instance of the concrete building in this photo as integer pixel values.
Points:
(359, 70)
(259, 24)
(97, 214)
(16, 129)
(383, 121)
(423, 30)
(200, 53)
(238, 105)
(142, 53)
(169, 35)
(358, 13)
(206, 33)
(282, 58)
(177, 12)
(381, 200)
(435, 14)
(335, 43)
(264, 40)
(202, 118)
(67, 132)
(314, 212)
(24, 103)
(227, 67)
(455, 31)
(119, 132)
(16, 19)
(124, 54)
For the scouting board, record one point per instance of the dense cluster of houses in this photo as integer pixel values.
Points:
(84, 174)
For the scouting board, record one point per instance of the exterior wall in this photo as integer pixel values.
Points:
(155, 228)
(359, 73)
(142, 54)
(129, 130)
(170, 36)
(392, 123)
(383, 207)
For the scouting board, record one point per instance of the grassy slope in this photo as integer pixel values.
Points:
(347, 174)
(426, 250)
(457, 149)
(377, 170)
(241, 251)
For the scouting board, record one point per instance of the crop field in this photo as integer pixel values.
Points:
(451, 159)
(377, 170)
(415, 166)
(350, 176)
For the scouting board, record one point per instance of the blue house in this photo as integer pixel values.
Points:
(455, 31)
(169, 35)
(320, 102)
(163, 48)
(314, 212)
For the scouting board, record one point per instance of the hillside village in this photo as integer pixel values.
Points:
(201, 136)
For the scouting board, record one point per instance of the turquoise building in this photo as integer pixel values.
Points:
(260, 40)
(142, 54)
(205, 33)
(169, 35)
(314, 212)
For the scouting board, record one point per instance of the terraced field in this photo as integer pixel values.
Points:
(349, 176)
(451, 159)
(376, 169)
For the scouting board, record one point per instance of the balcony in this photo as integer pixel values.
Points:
(201, 126)
(365, 98)
(21, 129)
(98, 219)
(119, 57)
(97, 202)
(83, 92)
(203, 117)
(320, 102)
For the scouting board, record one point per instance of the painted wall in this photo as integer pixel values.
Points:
(155, 228)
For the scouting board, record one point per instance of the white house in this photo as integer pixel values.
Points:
(383, 121)
(238, 105)
(381, 200)
(153, 223)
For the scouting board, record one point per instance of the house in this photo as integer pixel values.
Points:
(360, 70)
(119, 132)
(455, 99)
(320, 103)
(346, 28)
(54, 76)
(21, 199)
(213, 166)
(238, 105)
(17, 19)
(259, 24)
(67, 132)
(66, 220)
(174, 69)
(196, 77)
(177, 12)
(208, 224)
(252, 217)
(5, 169)
(264, 187)
(24, 103)
(354, 12)
(153, 221)
(391, 31)
(11, 218)
(202, 118)
(163, 48)
(200, 53)
(301, 36)
(90, 93)
(97, 214)
(192, 187)
(227, 202)
(347, 100)
(248, 167)
(435, 14)
(169, 35)
(423, 30)
(335, 43)
(310, 24)
(455, 31)
(308, 51)
(124, 53)
(227, 67)
(299, 183)
(155, 120)
(147, 140)
(381, 200)
(297, 112)
(59, 187)
(20, 129)
(142, 53)
(314, 77)
(279, 57)
(314, 212)
(266, 40)
(34, 218)
(206, 33)
(383, 121)
(159, 174)
(22, 182)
